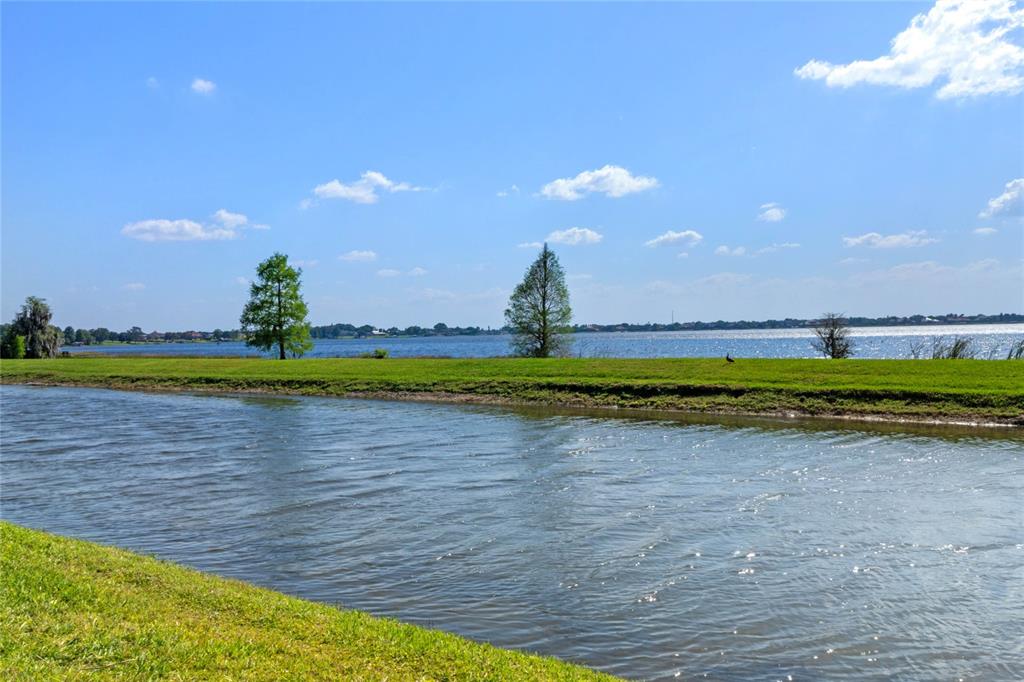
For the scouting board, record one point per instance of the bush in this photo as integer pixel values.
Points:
(13, 347)
(958, 348)
(377, 354)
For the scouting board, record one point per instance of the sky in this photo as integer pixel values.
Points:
(688, 161)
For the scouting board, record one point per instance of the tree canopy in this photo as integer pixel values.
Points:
(275, 315)
(38, 338)
(538, 312)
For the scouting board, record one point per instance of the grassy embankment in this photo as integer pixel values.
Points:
(923, 390)
(75, 610)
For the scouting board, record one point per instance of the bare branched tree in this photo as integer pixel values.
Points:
(832, 337)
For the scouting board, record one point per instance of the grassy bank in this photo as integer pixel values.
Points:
(75, 610)
(944, 390)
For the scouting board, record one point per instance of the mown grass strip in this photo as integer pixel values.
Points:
(942, 390)
(75, 610)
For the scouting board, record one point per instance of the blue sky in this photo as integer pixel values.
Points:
(711, 161)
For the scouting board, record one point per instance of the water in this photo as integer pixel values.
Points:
(870, 342)
(647, 548)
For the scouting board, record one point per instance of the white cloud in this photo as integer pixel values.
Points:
(388, 272)
(152, 83)
(358, 256)
(1010, 202)
(203, 86)
(362, 191)
(160, 230)
(575, 236)
(229, 219)
(134, 286)
(965, 44)
(613, 181)
(508, 192)
(852, 261)
(726, 251)
(771, 213)
(890, 241)
(529, 245)
(242, 281)
(306, 203)
(417, 272)
(689, 237)
(985, 231)
(778, 247)
(683, 254)
(310, 263)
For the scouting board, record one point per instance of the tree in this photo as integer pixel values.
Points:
(538, 311)
(69, 335)
(276, 314)
(41, 339)
(832, 337)
(12, 345)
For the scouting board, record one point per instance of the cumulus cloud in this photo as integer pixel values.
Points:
(985, 231)
(307, 263)
(688, 238)
(358, 256)
(575, 236)
(203, 86)
(365, 190)
(613, 181)
(771, 213)
(875, 240)
(152, 83)
(964, 44)
(134, 286)
(1010, 202)
(162, 230)
(388, 272)
(417, 272)
(514, 189)
(529, 245)
(726, 251)
(229, 219)
(778, 247)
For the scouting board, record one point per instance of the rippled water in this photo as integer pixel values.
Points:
(647, 548)
(869, 342)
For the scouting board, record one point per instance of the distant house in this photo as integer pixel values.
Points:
(378, 332)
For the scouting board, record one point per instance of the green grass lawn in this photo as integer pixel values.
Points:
(952, 390)
(75, 610)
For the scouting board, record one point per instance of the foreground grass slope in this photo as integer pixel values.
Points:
(75, 610)
(924, 389)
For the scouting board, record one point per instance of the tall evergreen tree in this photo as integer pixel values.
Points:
(276, 314)
(538, 311)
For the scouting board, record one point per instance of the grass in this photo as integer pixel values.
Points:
(942, 390)
(75, 610)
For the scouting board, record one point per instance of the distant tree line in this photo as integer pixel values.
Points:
(798, 323)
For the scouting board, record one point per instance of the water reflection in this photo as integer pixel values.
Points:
(643, 545)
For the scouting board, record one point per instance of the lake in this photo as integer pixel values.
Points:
(870, 342)
(650, 548)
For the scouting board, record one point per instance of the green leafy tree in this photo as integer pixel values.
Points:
(538, 312)
(69, 335)
(41, 339)
(276, 314)
(12, 344)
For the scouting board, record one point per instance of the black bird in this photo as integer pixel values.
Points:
(728, 359)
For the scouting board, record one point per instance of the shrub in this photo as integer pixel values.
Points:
(958, 348)
(377, 354)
